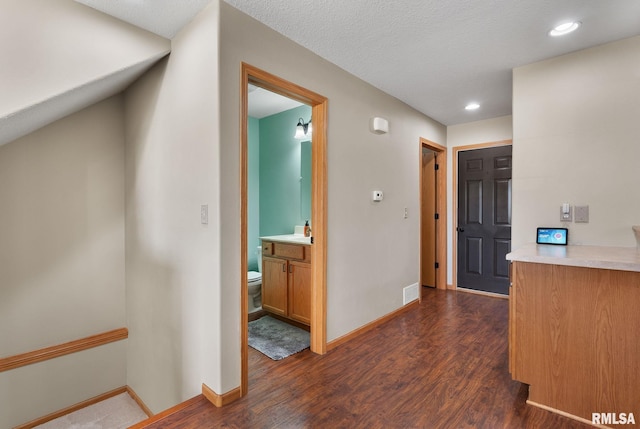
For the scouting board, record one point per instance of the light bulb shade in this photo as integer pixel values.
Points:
(299, 132)
(303, 129)
(309, 129)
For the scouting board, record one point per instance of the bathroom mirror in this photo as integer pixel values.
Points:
(305, 180)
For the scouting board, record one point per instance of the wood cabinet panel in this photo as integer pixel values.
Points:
(289, 251)
(267, 248)
(300, 292)
(286, 281)
(274, 285)
(512, 325)
(574, 334)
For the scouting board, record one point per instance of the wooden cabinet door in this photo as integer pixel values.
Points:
(300, 292)
(274, 285)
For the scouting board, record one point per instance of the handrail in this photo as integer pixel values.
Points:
(28, 358)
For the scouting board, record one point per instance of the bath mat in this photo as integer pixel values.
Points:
(277, 339)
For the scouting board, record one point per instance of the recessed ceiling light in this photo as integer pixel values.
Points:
(472, 106)
(566, 28)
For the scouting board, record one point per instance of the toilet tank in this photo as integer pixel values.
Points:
(259, 254)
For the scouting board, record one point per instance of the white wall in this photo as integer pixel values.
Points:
(576, 128)
(173, 261)
(372, 251)
(471, 133)
(62, 259)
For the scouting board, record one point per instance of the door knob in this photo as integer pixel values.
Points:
(460, 229)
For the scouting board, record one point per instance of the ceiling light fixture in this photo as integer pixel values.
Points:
(303, 129)
(566, 28)
(472, 106)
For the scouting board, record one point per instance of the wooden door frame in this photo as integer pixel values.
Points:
(454, 232)
(441, 208)
(319, 106)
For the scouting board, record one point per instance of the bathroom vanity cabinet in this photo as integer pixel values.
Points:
(286, 280)
(573, 328)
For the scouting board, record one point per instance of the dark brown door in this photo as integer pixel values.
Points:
(428, 230)
(484, 219)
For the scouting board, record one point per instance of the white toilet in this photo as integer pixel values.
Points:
(255, 285)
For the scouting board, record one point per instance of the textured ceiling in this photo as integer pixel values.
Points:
(435, 55)
(438, 55)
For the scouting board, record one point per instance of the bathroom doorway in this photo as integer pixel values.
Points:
(318, 196)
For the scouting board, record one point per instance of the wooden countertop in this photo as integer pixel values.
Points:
(603, 257)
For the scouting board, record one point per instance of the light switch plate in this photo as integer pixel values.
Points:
(581, 214)
(566, 216)
(204, 214)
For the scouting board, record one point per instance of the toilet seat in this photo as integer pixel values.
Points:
(254, 276)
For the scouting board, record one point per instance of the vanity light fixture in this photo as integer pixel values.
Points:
(565, 28)
(303, 129)
(472, 106)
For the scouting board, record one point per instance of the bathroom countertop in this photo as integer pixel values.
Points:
(288, 238)
(604, 257)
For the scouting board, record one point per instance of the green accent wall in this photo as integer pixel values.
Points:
(279, 177)
(280, 172)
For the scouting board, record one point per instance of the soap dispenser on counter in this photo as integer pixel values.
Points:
(307, 229)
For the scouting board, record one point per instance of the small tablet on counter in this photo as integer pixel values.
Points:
(558, 236)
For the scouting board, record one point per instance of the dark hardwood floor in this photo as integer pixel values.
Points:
(442, 364)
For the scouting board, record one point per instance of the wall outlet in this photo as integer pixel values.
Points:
(410, 293)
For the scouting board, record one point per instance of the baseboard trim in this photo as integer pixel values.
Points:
(481, 292)
(72, 408)
(139, 401)
(565, 414)
(369, 326)
(221, 400)
(166, 413)
(40, 355)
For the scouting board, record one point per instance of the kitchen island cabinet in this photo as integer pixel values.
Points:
(574, 328)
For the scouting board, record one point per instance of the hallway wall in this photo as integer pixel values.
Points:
(576, 128)
(62, 272)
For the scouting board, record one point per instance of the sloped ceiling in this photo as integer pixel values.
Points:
(162, 17)
(60, 56)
